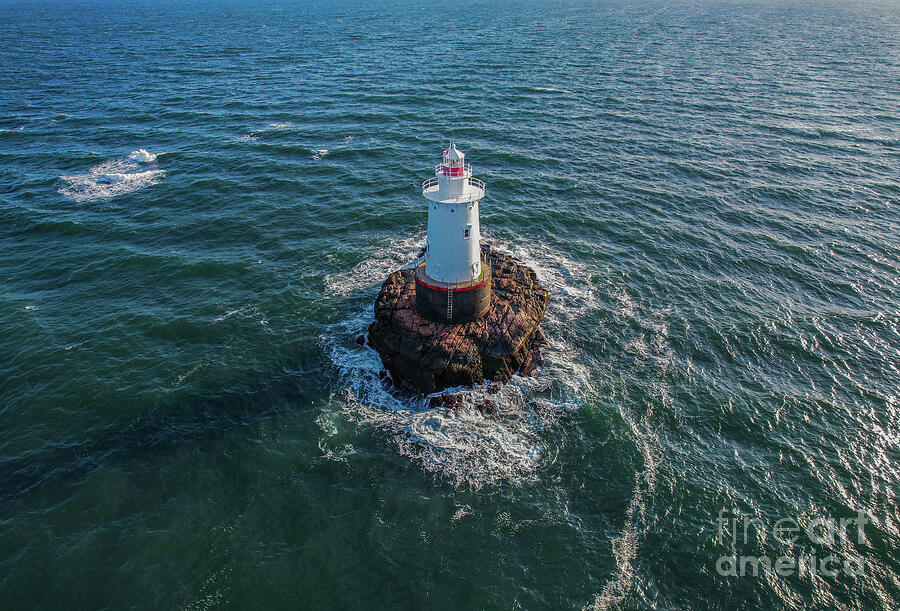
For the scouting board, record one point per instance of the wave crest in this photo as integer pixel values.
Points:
(112, 178)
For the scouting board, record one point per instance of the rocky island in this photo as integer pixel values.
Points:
(424, 355)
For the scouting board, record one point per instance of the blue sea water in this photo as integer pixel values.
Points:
(199, 201)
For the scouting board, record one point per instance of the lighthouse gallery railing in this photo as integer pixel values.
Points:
(432, 183)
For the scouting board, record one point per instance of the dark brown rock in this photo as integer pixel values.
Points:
(427, 356)
(486, 407)
(453, 401)
(534, 359)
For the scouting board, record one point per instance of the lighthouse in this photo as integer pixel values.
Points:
(438, 323)
(453, 282)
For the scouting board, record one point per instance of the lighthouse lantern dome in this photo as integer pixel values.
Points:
(454, 162)
(454, 154)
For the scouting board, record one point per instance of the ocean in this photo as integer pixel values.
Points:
(198, 205)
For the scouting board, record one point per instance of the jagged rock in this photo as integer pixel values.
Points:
(534, 359)
(487, 407)
(451, 400)
(425, 356)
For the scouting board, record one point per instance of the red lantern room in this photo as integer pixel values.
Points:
(454, 164)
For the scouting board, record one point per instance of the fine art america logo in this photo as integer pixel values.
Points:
(799, 542)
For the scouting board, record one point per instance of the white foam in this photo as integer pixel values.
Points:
(468, 447)
(180, 379)
(321, 152)
(142, 156)
(227, 314)
(373, 269)
(86, 187)
(253, 135)
(463, 446)
(111, 178)
(244, 313)
(461, 512)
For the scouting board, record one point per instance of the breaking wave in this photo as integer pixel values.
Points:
(113, 177)
(141, 156)
(462, 445)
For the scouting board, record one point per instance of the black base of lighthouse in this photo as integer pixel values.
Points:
(451, 304)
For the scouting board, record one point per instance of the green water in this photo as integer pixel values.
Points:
(709, 191)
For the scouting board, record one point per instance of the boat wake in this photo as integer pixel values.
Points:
(113, 177)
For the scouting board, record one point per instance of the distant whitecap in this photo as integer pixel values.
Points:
(253, 135)
(142, 156)
(113, 177)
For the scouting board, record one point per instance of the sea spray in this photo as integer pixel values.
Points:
(113, 177)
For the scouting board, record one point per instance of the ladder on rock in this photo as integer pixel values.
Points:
(450, 303)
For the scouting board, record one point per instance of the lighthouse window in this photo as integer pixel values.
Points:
(467, 232)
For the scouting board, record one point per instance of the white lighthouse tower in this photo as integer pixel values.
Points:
(453, 284)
